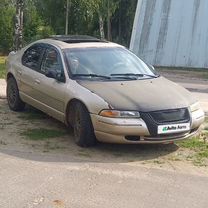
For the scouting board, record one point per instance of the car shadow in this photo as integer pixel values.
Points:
(63, 148)
(102, 153)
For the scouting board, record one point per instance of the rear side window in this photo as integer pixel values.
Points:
(32, 56)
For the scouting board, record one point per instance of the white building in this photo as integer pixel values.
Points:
(171, 32)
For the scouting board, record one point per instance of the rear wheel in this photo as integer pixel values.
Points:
(82, 126)
(14, 101)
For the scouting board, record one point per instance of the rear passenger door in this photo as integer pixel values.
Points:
(31, 61)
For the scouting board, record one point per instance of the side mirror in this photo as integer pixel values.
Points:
(12, 53)
(51, 74)
(55, 75)
(151, 67)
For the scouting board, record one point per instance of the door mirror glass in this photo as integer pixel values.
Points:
(55, 75)
(51, 74)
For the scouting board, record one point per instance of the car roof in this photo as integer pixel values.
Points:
(65, 42)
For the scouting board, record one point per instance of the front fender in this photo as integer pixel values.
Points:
(92, 101)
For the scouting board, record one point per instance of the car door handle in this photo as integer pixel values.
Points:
(19, 72)
(37, 81)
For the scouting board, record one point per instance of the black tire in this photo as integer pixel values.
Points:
(14, 101)
(82, 126)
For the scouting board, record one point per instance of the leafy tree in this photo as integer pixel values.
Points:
(7, 12)
(105, 10)
(122, 21)
(110, 19)
(52, 12)
(34, 25)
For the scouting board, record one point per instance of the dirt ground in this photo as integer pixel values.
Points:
(14, 141)
(192, 75)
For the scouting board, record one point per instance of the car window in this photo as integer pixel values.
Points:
(32, 56)
(52, 61)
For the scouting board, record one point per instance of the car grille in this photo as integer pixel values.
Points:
(156, 118)
(169, 116)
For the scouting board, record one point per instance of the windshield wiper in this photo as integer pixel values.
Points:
(137, 75)
(91, 75)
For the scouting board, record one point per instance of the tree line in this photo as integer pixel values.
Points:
(109, 19)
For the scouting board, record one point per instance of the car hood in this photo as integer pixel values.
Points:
(142, 95)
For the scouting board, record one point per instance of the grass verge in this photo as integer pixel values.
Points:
(2, 67)
(42, 134)
(32, 114)
(199, 147)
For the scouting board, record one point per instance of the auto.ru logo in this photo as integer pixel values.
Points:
(165, 129)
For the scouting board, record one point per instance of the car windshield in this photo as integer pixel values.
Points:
(106, 63)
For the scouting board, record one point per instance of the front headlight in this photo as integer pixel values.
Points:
(119, 114)
(195, 107)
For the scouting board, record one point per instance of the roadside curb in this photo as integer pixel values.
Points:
(2, 89)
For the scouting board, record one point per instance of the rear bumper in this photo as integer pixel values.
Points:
(134, 131)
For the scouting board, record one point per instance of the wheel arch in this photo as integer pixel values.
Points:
(9, 75)
(69, 112)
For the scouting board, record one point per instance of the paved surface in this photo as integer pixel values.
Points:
(49, 182)
(44, 180)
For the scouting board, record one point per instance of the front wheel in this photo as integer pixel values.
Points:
(83, 128)
(14, 101)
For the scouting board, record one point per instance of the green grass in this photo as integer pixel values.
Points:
(84, 154)
(2, 67)
(32, 114)
(42, 134)
(199, 148)
(194, 143)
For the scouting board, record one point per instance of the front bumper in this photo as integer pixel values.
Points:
(134, 131)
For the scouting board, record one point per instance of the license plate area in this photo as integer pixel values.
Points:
(173, 128)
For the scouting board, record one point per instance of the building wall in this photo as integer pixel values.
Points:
(171, 32)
